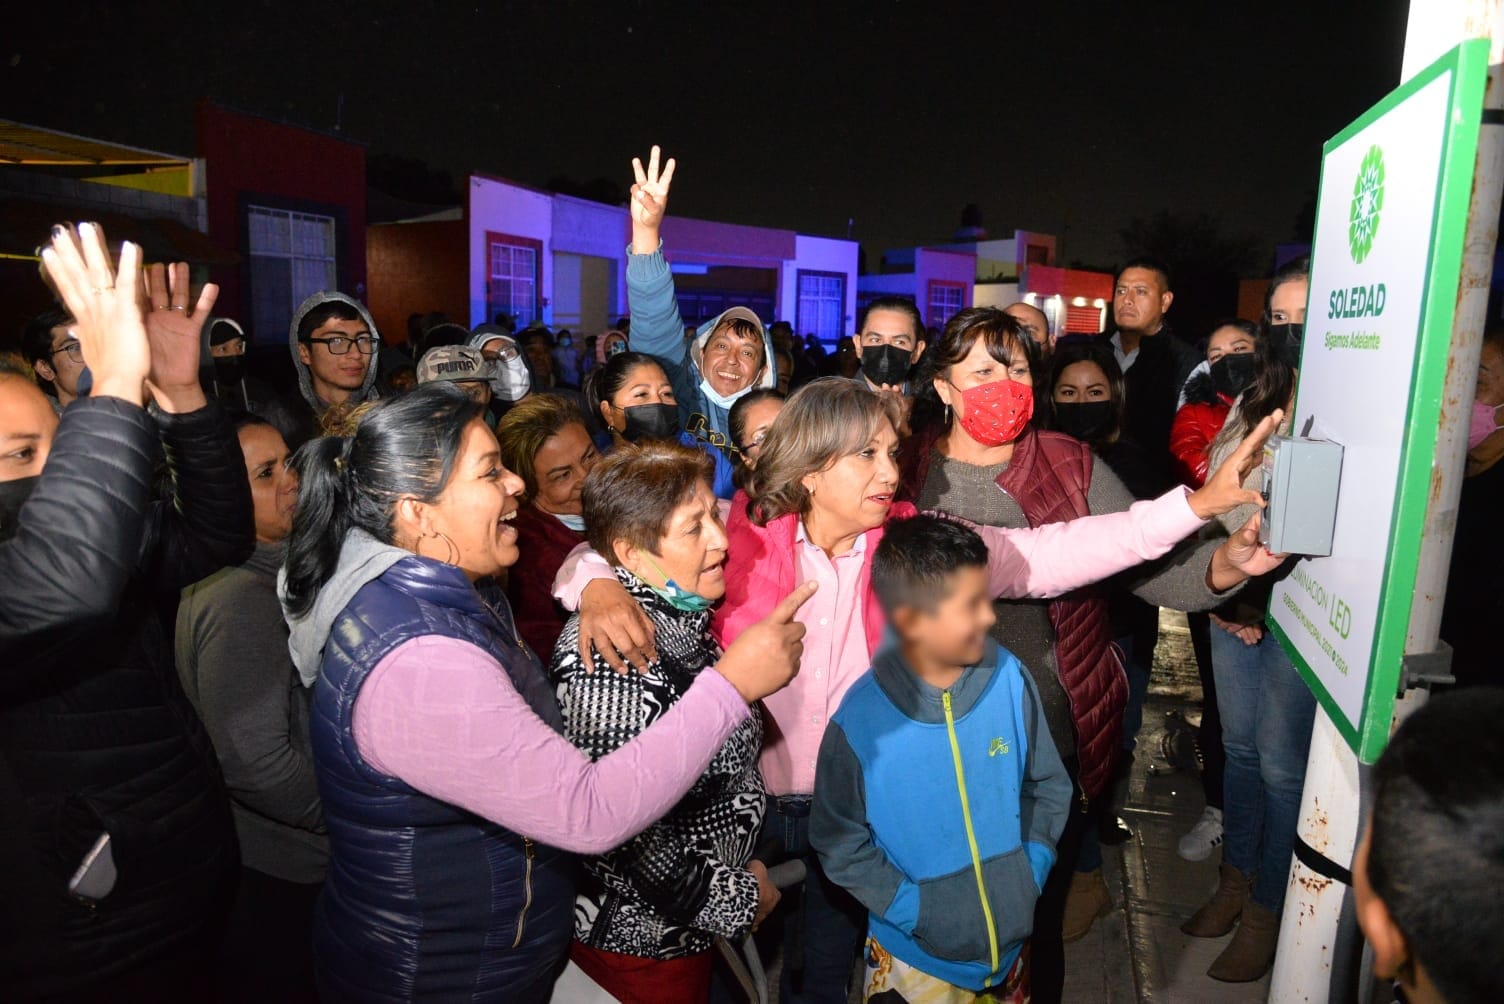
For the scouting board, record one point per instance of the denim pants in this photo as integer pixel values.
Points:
(822, 923)
(1267, 711)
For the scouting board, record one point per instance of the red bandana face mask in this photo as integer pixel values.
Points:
(997, 412)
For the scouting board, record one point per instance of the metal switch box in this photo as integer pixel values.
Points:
(1300, 494)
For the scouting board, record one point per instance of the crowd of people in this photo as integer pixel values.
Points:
(505, 651)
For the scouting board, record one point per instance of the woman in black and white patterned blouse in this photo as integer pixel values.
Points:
(649, 910)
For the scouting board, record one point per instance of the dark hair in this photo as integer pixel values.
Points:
(916, 558)
(631, 494)
(736, 419)
(443, 333)
(529, 424)
(999, 331)
(36, 336)
(401, 447)
(1273, 378)
(531, 335)
(1436, 850)
(604, 381)
(1088, 351)
(325, 312)
(1149, 265)
(13, 364)
(248, 419)
(898, 304)
(1247, 327)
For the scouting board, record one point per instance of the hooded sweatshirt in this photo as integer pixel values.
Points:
(658, 330)
(316, 406)
(362, 559)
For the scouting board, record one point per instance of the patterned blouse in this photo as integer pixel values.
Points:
(670, 890)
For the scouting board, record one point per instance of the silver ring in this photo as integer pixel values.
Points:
(177, 308)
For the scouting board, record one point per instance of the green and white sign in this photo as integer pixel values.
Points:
(1390, 222)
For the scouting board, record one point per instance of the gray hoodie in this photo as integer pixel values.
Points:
(362, 559)
(305, 379)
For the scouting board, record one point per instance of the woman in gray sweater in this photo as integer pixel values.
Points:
(232, 656)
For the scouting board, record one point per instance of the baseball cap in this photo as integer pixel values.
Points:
(454, 363)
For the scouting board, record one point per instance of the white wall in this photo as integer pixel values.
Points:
(599, 231)
(505, 208)
(818, 254)
(994, 294)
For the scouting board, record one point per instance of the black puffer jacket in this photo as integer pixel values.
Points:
(95, 733)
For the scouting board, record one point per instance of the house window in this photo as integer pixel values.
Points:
(292, 256)
(512, 277)
(945, 301)
(822, 305)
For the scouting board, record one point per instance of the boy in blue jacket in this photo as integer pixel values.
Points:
(939, 795)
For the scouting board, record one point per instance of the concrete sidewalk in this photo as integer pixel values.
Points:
(1136, 952)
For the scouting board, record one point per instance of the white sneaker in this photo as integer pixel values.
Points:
(1203, 838)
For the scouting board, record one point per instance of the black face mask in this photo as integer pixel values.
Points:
(885, 364)
(1286, 339)
(651, 421)
(1232, 374)
(1086, 420)
(13, 495)
(229, 370)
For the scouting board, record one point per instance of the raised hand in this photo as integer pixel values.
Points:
(176, 337)
(105, 307)
(649, 199)
(1224, 491)
(765, 657)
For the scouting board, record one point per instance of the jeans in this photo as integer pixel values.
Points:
(1266, 711)
(822, 925)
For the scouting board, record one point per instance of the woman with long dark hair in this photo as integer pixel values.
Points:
(451, 798)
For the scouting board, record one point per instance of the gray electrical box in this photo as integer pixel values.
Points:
(1300, 495)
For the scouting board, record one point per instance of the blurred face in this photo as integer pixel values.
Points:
(1228, 341)
(847, 360)
(890, 327)
(1288, 304)
(1081, 382)
(469, 525)
(785, 372)
(855, 493)
(645, 384)
(560, 467)
(1033, 322)
(336, 377)
(758, 418)
(731, 362)
(692, 550)
(63, 365)
(539, 358)
(274, 484)
(404, 380)
(954, 633)
(27, 425)
(1139, 300)
(478, 391)
(1491, 375)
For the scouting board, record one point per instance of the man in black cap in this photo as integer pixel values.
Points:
(236, 390)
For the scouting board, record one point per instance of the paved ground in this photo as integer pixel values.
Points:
(1137, 953)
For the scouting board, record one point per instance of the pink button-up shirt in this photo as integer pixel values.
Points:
(835, 657)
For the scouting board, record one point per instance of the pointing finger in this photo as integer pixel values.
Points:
(784, 612)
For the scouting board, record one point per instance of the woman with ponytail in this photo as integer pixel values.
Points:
(453, 802)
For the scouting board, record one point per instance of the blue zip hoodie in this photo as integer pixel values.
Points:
(939, 811)
(658, 330)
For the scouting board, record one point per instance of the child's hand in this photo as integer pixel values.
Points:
(767, 893)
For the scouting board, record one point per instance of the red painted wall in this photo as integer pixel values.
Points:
(285, 166)
(415, 268)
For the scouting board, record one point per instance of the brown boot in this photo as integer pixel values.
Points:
(1251, 952)
(1218, 914)
(1087, 900)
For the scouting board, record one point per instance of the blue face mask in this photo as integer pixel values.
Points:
(575, 523)
(677, 596)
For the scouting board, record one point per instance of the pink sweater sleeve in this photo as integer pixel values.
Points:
(581, 567)
(442, 715)
(1053, 559)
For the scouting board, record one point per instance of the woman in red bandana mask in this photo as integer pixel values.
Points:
(978, 458)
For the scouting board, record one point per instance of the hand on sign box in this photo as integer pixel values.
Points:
(1244, 552)
(104, 304)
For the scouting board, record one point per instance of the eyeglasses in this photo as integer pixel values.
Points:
(74, 349)
(340, 345)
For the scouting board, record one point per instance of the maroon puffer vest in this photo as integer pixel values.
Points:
(1049, 477)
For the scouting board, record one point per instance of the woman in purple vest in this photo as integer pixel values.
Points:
(453, 802)
(978, 458)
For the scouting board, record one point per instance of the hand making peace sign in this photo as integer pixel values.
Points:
(649, 200)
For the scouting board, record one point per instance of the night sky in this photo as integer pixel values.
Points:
(892, 114)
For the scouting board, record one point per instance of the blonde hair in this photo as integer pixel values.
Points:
(524, 429)
(821, 422)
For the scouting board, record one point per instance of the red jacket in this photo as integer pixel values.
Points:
(1049, 477)
(545, 543)
(1196, 425)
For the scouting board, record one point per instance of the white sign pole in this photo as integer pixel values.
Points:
(1331, 811)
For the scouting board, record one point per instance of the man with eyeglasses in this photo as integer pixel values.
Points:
(334, 346)
(54, 355)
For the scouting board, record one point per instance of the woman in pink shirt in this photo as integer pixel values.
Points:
(825, 484)
(451, 797)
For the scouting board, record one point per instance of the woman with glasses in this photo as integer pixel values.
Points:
(334, 348)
